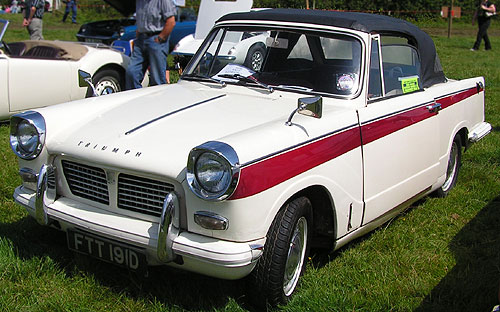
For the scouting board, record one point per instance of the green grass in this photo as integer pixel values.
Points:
(440, 255)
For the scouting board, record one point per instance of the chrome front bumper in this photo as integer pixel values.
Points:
(161, 242)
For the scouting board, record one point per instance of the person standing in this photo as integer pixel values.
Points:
(70, 6)
(155, 20)
(33, 15)
(14, 7)
(483, 15)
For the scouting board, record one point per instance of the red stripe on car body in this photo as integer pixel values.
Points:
(276, 169)
(261, 175)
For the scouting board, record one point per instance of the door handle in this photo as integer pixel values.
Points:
(434, 108)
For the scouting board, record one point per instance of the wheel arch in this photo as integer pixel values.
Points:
(463, 133)
(112, 66)
(324, 216)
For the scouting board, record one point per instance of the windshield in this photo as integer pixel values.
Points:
(288, 59)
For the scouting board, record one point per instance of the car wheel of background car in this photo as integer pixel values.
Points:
(255, 57)
(454, 163)
(106, 81)
(276, 275)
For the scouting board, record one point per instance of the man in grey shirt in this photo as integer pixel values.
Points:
(33, 18)
(155, 20)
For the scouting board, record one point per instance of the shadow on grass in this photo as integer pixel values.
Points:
(171, 287)
(472, 284)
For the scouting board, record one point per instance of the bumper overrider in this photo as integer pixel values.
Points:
(162, 243)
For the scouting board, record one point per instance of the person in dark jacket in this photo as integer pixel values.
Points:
(33, 14)
(483, 15)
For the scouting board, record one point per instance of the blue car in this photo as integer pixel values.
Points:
(119, 32)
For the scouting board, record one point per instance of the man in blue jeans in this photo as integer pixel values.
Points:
(70, 5)
(155, 20)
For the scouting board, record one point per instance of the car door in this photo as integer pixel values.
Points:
(38, 82)
(399, 129)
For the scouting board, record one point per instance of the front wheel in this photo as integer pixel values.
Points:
(277, 273)
(454, 163)
(106, 81)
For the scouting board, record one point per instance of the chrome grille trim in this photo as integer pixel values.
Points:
(142, 195)
(86, 181)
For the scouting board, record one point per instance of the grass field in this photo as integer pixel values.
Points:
(440, 255)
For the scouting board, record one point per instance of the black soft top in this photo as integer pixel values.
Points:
(430, 69)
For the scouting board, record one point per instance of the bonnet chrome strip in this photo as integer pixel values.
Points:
(174, 112)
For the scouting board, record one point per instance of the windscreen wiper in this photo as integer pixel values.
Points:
(247, 79)
(222, 83)
(294, 88)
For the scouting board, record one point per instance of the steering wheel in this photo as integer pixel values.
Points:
(6, 47)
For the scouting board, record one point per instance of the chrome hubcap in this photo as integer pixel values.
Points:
(296, 254)
(257, 58)
(106, 87)
(452, 167)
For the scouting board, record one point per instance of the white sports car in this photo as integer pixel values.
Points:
(42, 73)
(234, 172)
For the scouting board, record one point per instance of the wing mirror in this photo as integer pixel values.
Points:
(85, 79)
(310, 106)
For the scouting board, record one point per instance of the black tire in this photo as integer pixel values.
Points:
(255, 57)
(106, 81)
(454, 163)
(277, 272)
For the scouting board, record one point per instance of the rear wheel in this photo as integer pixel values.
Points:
(277, 273)
(454, 163)
(255, 57)
(106, 81)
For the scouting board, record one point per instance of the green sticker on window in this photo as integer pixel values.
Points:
(409, 84)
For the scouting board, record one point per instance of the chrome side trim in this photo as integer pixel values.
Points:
(166, 230)
(45, 193)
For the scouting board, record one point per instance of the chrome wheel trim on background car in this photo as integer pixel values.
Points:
(107, 85)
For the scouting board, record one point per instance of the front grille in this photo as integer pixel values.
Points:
(86, 181)
(142, 194)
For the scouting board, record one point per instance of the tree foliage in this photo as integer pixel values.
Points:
(408, 8)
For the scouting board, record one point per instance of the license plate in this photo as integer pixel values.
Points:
(106, 250)
(93, 40)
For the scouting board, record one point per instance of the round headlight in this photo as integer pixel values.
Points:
(121, 32)
(213, 170)
(27, 134)
(27, 137)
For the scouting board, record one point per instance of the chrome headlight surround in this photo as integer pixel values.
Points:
(213, 171)
(27, 134)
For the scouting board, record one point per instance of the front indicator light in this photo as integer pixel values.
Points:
(211, 221)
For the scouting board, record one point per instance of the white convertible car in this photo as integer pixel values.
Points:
(233, 172)
(42, 73)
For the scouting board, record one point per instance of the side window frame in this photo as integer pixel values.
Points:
(375, 40)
